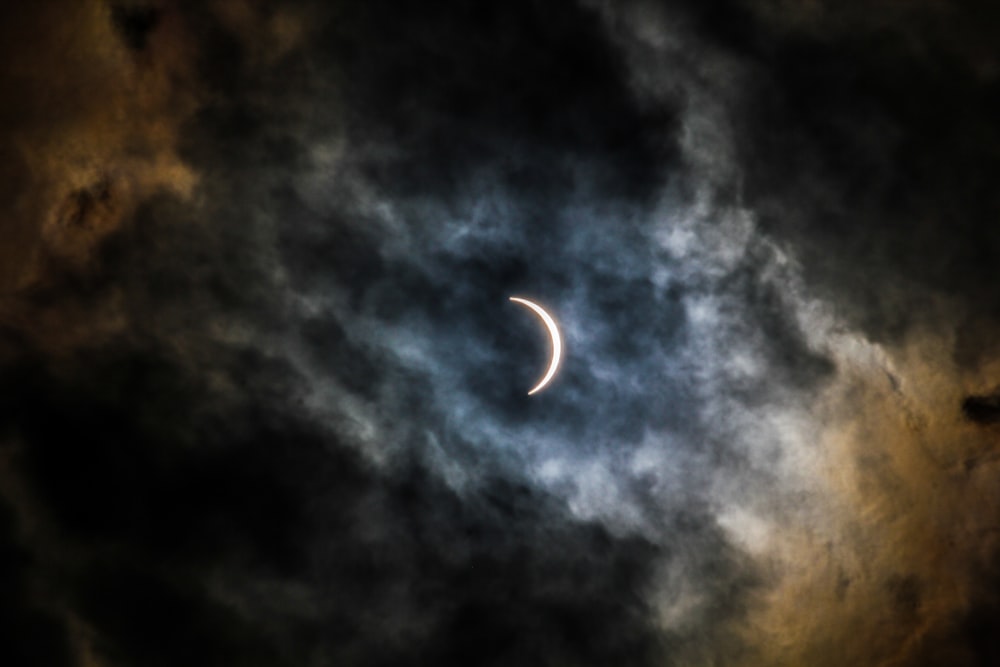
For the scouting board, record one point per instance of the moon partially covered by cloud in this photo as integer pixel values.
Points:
(258, 401)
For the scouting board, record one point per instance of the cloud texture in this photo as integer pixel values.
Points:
(263, 395)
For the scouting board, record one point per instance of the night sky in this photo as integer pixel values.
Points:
(263, 397)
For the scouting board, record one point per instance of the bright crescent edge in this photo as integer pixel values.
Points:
(550, 324)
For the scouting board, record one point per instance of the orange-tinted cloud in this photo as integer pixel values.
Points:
(88, 128)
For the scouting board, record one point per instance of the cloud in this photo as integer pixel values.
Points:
(90, 130)
(259, 421)
(263, 393)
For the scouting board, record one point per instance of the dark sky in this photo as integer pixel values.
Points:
(263, 395)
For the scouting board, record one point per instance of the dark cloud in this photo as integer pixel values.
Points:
(155, 483)
(36, 634)
(185, 471)
(187, 468)
(871, 145)
(530, 94)
(982, 409)
(134, 23)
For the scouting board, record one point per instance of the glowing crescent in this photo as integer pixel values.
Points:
(550, 324)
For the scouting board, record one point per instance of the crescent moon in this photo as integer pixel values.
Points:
(550, 324)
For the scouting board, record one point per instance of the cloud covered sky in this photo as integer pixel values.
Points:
(264, 397)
